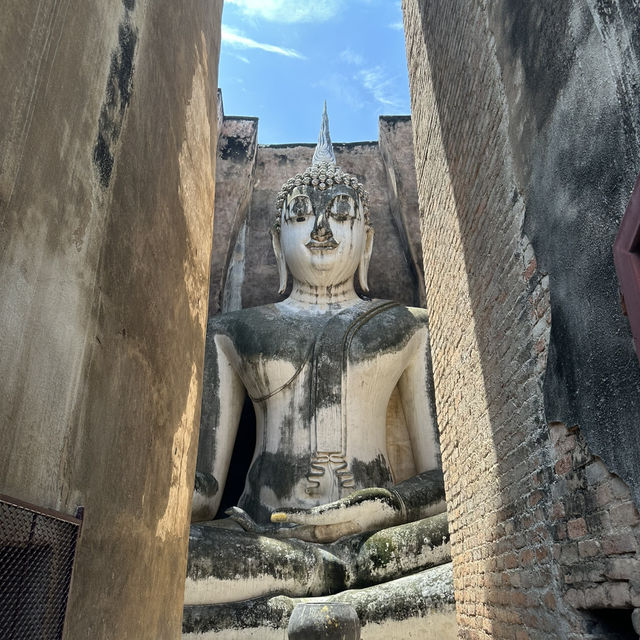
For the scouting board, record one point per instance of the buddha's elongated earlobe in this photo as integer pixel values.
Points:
(363, 268)
(280, 261)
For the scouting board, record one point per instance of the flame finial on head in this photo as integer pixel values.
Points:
(322, 174)
(324, 148)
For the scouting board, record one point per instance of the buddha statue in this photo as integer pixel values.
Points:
(320, 368)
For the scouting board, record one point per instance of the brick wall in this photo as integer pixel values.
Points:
(481, 278)
(595, 524)
(513, 482)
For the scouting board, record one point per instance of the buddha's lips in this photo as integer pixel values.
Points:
(325, 245)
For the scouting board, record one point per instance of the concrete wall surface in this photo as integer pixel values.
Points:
(107, 163)
(527, 142)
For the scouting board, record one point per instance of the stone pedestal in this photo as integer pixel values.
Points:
(416, 607)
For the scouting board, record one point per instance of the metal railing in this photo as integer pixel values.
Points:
(37, 549)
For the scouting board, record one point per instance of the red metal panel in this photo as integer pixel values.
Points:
(626, 255)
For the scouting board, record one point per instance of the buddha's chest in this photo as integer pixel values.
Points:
(322, 358)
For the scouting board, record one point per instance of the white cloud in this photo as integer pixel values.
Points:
(351, 57)
(375, 80)
(289, 10)
(398, 26)
(235, 39)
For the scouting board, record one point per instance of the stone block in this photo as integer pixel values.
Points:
(619, 543)
(625, 514)
(589, 548)
(576, 528)
(623, 568)
(564, 465)
(596, 472)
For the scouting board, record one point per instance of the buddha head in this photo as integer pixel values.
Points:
(322, 233)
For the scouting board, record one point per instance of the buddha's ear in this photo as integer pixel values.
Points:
(363, 269)
(280, 261)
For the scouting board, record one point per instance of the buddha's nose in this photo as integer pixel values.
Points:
(321, 229)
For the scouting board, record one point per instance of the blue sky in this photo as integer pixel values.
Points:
(280, 59)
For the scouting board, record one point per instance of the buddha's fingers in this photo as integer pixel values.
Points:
(242, 518)
(361, 510)
(332, 513)
(332, 532)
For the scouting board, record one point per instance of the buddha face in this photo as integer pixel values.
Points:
(323, 234)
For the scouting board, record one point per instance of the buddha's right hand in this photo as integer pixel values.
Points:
(364, 510)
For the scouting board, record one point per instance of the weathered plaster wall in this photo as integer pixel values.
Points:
(526, 132)
(396, 148)
(107, 144)
(237, 147)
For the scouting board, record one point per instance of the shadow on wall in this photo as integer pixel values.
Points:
(542, 148)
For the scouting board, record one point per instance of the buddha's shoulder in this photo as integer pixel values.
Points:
(250, 316)
(264, 330)
(386, 327)
(395, 312)
(263, 319)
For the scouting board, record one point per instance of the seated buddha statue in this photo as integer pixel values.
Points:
(320, 368)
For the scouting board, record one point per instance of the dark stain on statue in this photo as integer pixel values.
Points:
(288, 423)
(117, 96)
(385, 332)
(379, 558)
(240, 616)
(375, 473)
(283, 470)
(205, 484)
(265, 332)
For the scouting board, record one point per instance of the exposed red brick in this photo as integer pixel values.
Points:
(564, 465)
(577, 528)
(531, 269)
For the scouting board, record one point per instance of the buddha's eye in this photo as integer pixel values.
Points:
(299, 209)
(342, 208)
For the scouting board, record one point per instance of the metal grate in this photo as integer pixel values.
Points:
(37, 548)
